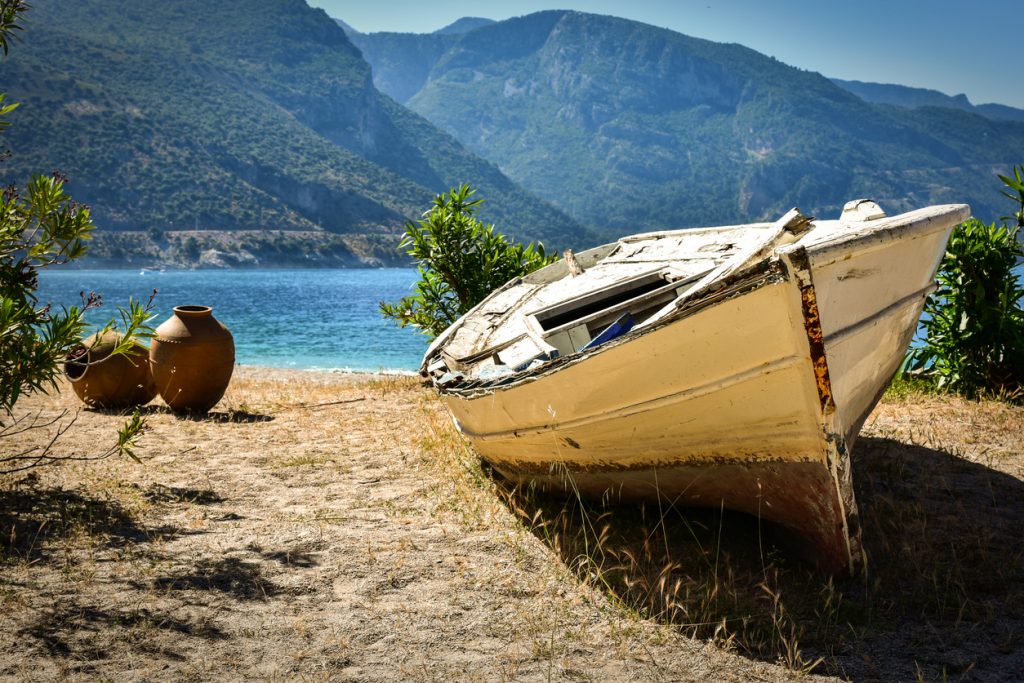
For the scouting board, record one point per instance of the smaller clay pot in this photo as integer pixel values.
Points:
(102, 380)
(193, 356)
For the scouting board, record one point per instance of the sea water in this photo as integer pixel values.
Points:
(306, 319)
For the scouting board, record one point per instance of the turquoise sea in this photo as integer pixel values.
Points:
(307, 319)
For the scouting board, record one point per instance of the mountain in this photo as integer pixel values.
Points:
(905, 96)
(465, 25)
(345, 27)
(402, 61)
(233, 115)
(631, 127)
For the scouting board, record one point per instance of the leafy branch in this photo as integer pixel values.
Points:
(1015, 192)
(461, 260)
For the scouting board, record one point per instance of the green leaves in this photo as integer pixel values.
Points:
(1016, 184)
(6, 109)
(10, 14)
(128, 435)
(44, 228)
(461, 261)
(974, 322)
(134, 321)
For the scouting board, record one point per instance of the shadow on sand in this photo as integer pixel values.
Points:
(232, 416)
(943, 596)
(61, 627)
(52, 534)
(36, 521)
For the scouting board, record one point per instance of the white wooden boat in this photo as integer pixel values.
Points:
(729, 366)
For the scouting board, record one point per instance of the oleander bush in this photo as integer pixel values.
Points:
(461, 260)
(42, 226)
(974, 323)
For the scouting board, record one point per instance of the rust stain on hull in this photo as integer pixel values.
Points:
(837, 454)
(812, 324)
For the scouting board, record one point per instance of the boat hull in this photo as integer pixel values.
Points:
(747, 431)
(748, 399)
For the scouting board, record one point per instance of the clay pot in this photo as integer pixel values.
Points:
(192, 356)
(110, 381)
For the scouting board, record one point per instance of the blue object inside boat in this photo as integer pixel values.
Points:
(618, 328)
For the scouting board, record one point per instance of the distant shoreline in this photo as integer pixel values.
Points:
(325, 375)
(242, 249)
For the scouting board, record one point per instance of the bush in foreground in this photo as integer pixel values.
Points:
(41, 227)
(974, 326)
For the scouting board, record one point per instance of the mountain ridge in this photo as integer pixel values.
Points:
(632, 127)
(465, 25)
(911, 97)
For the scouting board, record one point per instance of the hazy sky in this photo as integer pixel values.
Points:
(956, 46)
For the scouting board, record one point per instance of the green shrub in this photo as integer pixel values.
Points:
(460, 260)
(974, 329)
(41, 227)
(1015, 192)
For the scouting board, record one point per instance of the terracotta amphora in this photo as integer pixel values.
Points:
(192, 356)
(102, 380)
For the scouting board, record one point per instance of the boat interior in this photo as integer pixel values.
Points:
(553, 313)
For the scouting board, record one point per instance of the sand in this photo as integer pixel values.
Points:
(325, 526)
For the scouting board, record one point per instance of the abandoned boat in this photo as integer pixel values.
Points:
(729, 366)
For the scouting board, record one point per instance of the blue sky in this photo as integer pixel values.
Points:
(956, 46)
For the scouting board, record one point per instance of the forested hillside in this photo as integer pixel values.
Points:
(632, 127)
(232, 115)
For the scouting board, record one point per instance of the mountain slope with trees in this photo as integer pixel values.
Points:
(632, 127)
(241, 115)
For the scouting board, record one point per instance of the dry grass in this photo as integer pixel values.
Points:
(330, 527)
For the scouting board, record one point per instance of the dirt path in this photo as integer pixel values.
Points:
(332, 527)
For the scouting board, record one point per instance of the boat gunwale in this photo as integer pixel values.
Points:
(882, 231)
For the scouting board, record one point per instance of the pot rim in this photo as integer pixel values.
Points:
(192, 311)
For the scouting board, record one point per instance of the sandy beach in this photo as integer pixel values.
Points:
(327, 526)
